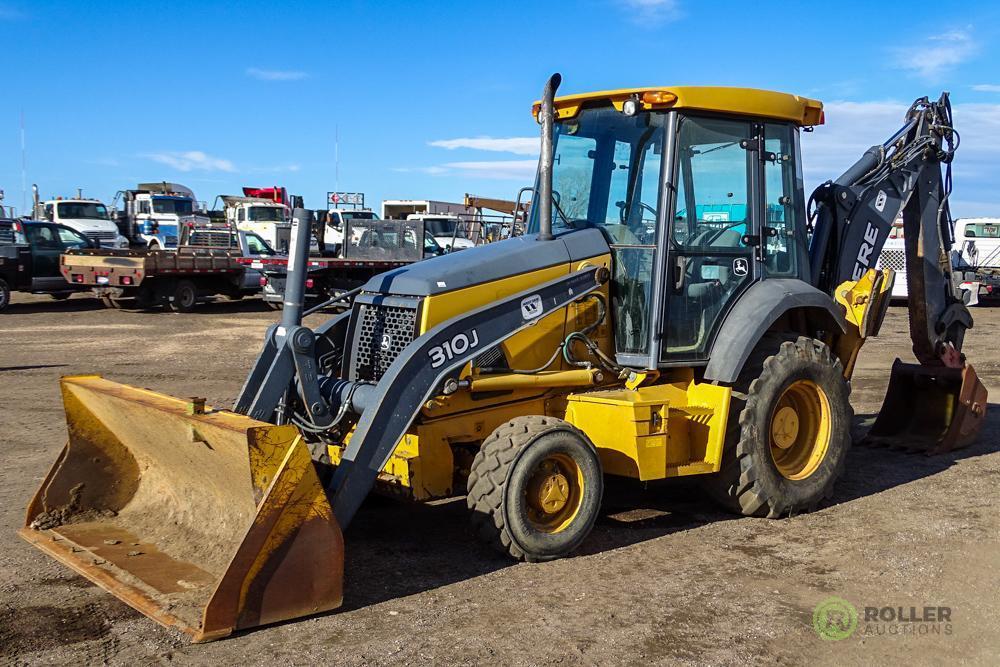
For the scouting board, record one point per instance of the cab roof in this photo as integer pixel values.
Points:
(719, 99)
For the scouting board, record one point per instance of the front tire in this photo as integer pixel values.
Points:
(789, 430)
(4, 295)
(535, 488)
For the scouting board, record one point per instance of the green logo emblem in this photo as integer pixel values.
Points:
(834, 619)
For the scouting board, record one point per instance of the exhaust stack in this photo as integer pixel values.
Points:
(546, 115)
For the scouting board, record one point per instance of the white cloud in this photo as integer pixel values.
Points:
(432, 171)
(497, 170)
(853, 127)
(192, 161)
(652, 11)
(515, 145)
(987, 87)
(276, 74)
(938, 56)
(504, 170)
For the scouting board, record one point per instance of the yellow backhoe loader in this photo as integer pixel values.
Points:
(675, 308)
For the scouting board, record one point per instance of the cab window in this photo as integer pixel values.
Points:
(257, 246)
(72, 239)
(43, 236)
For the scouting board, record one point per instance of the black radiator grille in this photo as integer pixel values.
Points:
(383, 331)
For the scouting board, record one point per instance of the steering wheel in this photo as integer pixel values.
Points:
(623, 206)
(719, 232)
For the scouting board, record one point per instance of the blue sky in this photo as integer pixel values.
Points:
(432, 100)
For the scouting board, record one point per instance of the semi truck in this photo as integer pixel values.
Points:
(88, 216)
(153, 213)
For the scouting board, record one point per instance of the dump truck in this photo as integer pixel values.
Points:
(206, 263)
(666, 314)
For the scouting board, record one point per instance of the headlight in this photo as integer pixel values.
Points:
(629, 107)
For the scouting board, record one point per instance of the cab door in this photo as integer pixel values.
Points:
(46, 248)
(714, 239)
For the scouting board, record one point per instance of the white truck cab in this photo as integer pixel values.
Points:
(978, 240)
(446, 229)
(155, 212)
(336, 224)
(87, 216)
(268, 219)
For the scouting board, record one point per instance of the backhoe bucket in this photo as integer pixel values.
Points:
(930, 409)
(207, 521)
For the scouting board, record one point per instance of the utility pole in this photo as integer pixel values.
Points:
(24, 170)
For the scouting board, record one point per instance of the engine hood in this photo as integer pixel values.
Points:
(489, 263)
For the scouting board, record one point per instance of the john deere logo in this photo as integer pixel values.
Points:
(834, 619)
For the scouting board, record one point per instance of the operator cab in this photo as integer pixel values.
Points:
(699, 194)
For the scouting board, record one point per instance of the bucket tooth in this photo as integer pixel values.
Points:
(206, 521)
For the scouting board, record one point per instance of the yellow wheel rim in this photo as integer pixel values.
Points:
(554, 493)
(799, 431)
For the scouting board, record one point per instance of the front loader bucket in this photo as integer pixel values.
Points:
(207, 521)
(930, 409)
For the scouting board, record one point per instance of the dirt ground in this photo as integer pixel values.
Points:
(664, 578)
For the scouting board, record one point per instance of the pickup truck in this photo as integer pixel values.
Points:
(205, 264)
(29, 257)
(382, 245)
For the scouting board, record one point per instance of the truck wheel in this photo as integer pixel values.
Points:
(61, 296)
(4, 295)
(185, 297)
(535, 488)
(788, 432)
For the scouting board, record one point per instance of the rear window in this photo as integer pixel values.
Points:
(983, 230)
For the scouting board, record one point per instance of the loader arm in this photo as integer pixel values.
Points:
(908, 174)
(939, 404)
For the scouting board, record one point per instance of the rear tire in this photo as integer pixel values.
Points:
(185, 297)
(535, 488)
(788, 432)
(4, 295)
(61, 296)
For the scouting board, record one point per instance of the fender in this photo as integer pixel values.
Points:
(762, 304)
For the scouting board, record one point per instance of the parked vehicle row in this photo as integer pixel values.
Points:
(158, 246)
